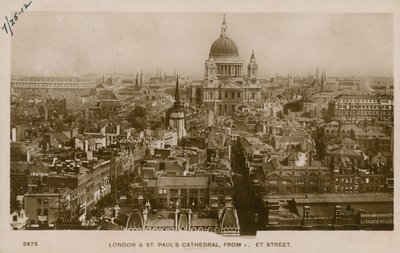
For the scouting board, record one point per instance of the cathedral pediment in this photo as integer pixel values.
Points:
(232, 85)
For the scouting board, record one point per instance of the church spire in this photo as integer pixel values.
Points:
(224, 27)
(252, 55)
(177, 101)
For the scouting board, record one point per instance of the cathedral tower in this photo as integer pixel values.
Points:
(175, 116)
(252, 68)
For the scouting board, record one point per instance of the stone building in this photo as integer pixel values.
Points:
(225, 85)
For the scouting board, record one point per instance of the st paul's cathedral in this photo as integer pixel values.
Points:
(225, 84)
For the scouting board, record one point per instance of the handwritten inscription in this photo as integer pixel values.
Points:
(10, 22)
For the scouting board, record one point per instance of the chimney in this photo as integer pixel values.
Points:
(116, 210)
(28, 155)
(118, 129)
(89, 155)
(76, 168)
(85, 145)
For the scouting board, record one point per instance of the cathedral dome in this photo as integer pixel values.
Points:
(224, 46)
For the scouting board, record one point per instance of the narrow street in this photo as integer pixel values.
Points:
(244, 206)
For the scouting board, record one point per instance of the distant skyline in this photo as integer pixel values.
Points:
(79, 43)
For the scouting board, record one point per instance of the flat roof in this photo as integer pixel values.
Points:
(183, 181)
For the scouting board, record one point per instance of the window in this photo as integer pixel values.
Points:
(39, 201)
(45, 201)
(46, 212)
(173, 191)
(15, 217)
(39, 211)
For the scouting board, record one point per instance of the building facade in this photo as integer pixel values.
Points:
(361, 107)
(225, 85)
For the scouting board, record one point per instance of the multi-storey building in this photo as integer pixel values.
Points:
(286, 180)
(362, 107)
(30, 83)
(359, 183)
(46, 208)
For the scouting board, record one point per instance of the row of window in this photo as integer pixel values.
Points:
(44, 201)
(176, 191)
(44, 212)
(358, 112)
(356, 180)
(231, 95)
(358, 100)
(301, 182)
(356, 189)
(47, 85)
(364, 107)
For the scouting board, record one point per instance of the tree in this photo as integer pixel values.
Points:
(136, 117)
(326, 115)
(139, 111)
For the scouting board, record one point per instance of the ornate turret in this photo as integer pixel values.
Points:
(252, 68)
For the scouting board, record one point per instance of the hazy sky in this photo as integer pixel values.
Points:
(64, 43)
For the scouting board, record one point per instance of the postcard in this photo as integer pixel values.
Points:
(171, 126)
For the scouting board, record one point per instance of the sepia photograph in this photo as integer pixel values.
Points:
(217, 123)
